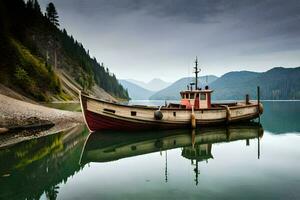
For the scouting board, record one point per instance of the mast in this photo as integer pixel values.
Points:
(196, 73)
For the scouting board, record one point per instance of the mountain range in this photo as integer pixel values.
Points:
(276, 84)
(135, 91)
(155, 84)
(172, 92)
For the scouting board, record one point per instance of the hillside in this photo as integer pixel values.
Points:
(135, 91)
(231, 85)
(172, 92)
(36, 56)
(277, 83)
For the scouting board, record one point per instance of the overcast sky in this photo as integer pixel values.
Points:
(146, 39)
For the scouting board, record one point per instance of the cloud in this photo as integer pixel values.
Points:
(134, 36)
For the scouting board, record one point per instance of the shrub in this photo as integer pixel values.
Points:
(24, 80)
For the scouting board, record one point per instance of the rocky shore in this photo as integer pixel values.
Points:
(18, 117)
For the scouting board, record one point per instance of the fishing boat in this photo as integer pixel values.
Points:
(194, 110)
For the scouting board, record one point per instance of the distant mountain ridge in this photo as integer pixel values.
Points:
(135, 91)
(172, 92)
(276, 84)
(155, 84)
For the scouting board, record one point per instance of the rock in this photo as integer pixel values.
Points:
(3, 130)
(5, 175)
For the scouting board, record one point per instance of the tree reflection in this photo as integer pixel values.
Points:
(52, 192)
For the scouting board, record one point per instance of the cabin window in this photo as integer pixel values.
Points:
(109, 110)
(174, 114)
(197, 96)
(203, 97)
(133, 113)
(192, 95)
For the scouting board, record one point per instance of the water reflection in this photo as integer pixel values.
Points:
(114, 165)
(281, 116)
(196, 145)
(36, 167)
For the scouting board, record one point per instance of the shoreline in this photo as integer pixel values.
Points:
(20, 119)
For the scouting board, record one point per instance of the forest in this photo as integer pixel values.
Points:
(33, 48)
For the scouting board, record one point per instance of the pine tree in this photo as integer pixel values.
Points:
(29, 4)
(52, 14)
(36, 6)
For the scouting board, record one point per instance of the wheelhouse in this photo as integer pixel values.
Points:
(197, 99)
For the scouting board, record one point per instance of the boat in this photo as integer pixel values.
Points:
(194, 110)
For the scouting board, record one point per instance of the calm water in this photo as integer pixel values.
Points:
(238, 162)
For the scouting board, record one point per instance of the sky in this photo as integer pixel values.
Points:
(146, 39)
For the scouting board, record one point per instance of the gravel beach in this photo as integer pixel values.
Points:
(16, 113)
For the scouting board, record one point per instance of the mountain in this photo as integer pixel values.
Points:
(277, 83)
(155, 84)
(223, 86)
(135, 91)
(172, 92)
(136, 82)
(43, 62)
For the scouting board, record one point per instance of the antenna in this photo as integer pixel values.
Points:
(196, 73)
(188, 75)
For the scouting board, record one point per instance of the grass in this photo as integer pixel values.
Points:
(33, 76)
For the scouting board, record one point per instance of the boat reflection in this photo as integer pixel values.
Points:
(196, 145)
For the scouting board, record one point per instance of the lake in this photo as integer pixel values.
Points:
(245, 161)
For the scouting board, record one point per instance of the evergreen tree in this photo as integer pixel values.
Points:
(52, 14)
(36, 6)
(29, 4)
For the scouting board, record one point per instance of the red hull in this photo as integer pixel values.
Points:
(100, 122)
(96, 122)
